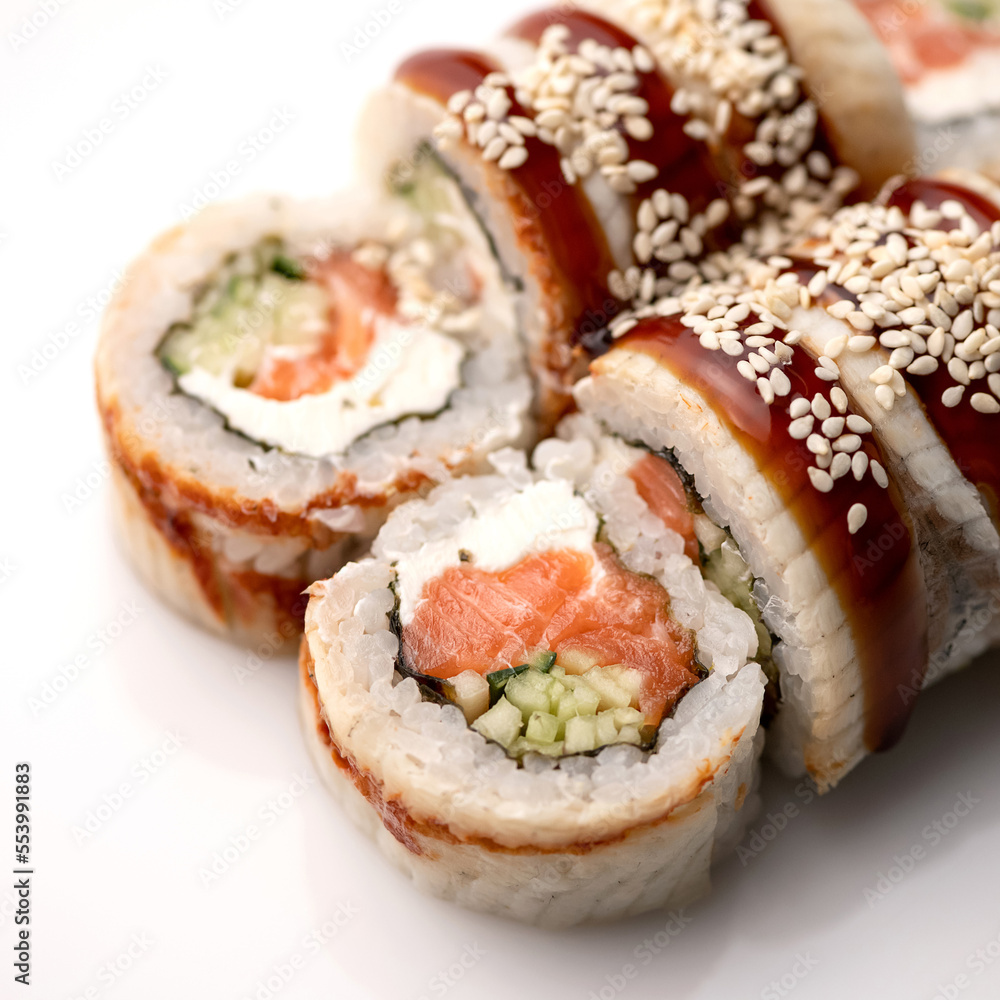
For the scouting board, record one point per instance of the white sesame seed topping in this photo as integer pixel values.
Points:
(821, 480)
(952, 396)
(884, 396)
(879, 474)
(840, 466)
(859, 464)
(984, 403)
(847, 442)
(839, 399)
(766, 390)
(833, 427)
(856, 518)
(801, 428)
(799, 408)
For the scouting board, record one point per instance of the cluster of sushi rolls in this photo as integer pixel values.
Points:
(532, 695)
(832, 406)
(275, 375)
(947, 54)
(606, 146)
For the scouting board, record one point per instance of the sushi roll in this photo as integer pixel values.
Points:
(947, 54)
(607, 147)
(919, 364)
(531, 696)
(274, 376)
(803, 498)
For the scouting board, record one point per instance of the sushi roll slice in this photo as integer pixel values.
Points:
(605, 148)
(275, 376)
(530, 695)
(800, 490)
(919, 364)
(947, 54)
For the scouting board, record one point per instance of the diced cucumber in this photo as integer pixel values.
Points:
(581, 734)
(627, 678)
(501, 723)
(522, 746)
(527, 692)
(576, 661)
(472, 694)
(628, 717)
(607, 731)
(611, 694)
(630, 734)
(543, 661)
(498, 679)
(542, 728)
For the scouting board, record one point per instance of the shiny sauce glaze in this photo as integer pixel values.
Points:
(875, 572)
(554, 221)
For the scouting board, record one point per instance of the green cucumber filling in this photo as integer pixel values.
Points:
(259, 299)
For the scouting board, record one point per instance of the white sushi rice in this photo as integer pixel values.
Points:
(675, 803)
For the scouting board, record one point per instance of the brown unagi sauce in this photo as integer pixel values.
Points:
(685, 165)
(874, 572)
(554, 221)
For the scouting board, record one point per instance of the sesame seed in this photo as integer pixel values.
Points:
(847, 442)
(830, 365)
(879, 474)
(901, 357)
(820, 406)
(882, 375)
(840, 309)
(856, 518)
(833, 426)
(936, 343)
(801, 428)
(641, 171)
(959, 370)
(858, 424)
(835, 346)
(840, 466)
(817, 444)
(799, 408)
(747, 371)
(514, 157)
(780, 382)
(984, 403)
(495, 149)
(953, 395)
(859, 344)
(894, 339)
(821, 480)
(884, 396)
(839, 399)
(859, 464)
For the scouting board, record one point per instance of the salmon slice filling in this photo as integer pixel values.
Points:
(582, 607)
(357, 294)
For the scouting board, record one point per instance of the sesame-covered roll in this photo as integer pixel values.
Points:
(607, 148)
(901, 297)
(532, 696)
(275, 375)
(802, 498)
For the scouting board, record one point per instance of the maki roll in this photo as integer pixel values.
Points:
(901, 296)
(606, 149)
(807, 508)
(276, 375)
(531, 696)
(947, 54)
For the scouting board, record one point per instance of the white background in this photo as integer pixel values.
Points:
(132, 880)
